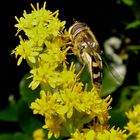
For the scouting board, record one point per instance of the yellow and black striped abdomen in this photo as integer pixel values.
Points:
(96, 72)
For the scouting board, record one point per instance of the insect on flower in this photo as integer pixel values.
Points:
(89, 50)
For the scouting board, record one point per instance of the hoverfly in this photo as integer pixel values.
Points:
(88, 50)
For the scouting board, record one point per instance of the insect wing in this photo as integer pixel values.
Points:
(114, 76)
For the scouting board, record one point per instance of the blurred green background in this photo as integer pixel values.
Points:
(116, 24)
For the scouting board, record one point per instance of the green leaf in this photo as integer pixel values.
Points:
(27, 94)
(16, 136)
(133, 47)
(27, 120)
(118, 118)
(128, 2)
(130, 96)
(133, 25)
(10, 113)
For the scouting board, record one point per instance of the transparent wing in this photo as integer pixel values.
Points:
(118, 71)
(114, 75)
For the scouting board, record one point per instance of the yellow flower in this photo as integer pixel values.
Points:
(47, 75)
(44, 74)
(38, 134)
(135, 114)
(73, 107)
(68, 77)
(53, 124)
(86, 135)
(54, 56)
(70, 100)
(112, 134)
(90, 134)
(45, 105)
(40, 24)
(41, 27)
(26, 50)
(133, 126)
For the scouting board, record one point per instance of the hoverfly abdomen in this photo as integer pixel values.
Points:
(97, 72)
(89, 50)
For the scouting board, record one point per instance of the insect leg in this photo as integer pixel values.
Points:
(81, 70)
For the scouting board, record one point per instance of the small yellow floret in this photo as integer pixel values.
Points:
(38, 134)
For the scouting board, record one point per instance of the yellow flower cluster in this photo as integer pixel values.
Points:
(68, 108)
(44, 50)
(89, 134)
(41, 27)
(133, 126)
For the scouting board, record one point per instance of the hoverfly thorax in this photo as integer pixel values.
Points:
(89, 51)
(80, 34)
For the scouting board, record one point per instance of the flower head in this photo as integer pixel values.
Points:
(39, 134)
(133, 126)
(40, 24)
(70, 106)
(42, 28)
(26, 50)
(105, 134)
